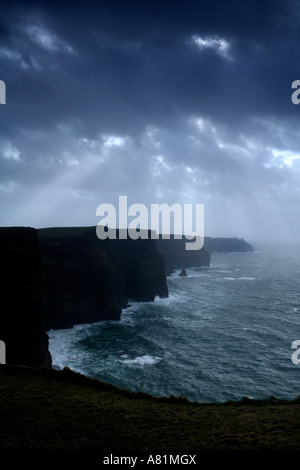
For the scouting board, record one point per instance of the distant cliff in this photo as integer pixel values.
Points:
(214, 245)
(88, 280)
(177, 257)
(21, 298)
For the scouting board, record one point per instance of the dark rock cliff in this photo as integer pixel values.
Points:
(177, 257)
(214, 245)
(58, 277)
(88, 280)
(55, 278)
(21, 298)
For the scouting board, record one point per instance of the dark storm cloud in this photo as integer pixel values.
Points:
(157, 100)
(135, 60)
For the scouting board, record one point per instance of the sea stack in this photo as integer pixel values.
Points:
(183, 272)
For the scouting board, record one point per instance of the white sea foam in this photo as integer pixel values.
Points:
(143, 360)
(193, 274)
(244, 278)
(132, 306)
(59, 350)
(61, 346)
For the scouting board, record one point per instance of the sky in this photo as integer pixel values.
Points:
(185, 102)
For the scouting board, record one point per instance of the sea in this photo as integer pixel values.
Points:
(225, 332)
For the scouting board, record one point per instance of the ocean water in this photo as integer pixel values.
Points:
(224, 333)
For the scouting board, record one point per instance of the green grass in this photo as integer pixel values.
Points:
(43, 409)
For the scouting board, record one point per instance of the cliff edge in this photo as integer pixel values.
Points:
(21, 315)
(177, 257)
(87, 279)
(227, 245)
(58, 277)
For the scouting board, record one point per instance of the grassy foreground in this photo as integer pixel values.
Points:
(43, 409)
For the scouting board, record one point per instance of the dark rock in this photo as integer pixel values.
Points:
(214, 245)
(21, 296)
(175, 255)
(89, 280)
(183, 272)
(56, 278)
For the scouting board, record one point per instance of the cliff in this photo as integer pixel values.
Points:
(58, 277)
(88, 280)
(214, 245)
(177, 257)
(21, 297)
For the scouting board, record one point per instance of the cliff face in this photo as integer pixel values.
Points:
(214, 245)
(177, 257)
(55, 278)
(88, 280)
(21, 297)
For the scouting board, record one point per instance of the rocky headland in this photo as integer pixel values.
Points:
(177, 257)
(227, 245)
(57, 277)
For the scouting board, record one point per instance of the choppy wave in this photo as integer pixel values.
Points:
(142, 360)
(223, 333)
(243, 278)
